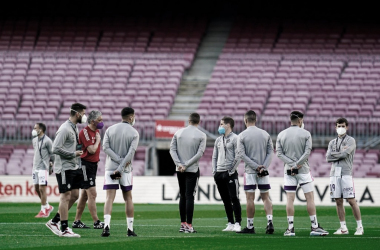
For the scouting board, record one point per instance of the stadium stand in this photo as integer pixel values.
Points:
(323, 70)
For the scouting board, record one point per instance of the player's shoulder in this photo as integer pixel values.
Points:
(350, 139)
(48, 139)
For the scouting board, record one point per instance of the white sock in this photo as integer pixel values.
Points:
(314, 221)
(343, 225)
(359, 223)
(290, 222)
(130, 223)
(107, 220)
(269, 218)
(249, 223)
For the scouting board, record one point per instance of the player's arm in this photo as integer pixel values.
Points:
(85, 139)
(241, 155)
(215, 156)
(49, 148)
(58, 143)
(198, 155)
(107, 149)
(347, 150)
(269, 154)
(281, 155)
(236, 162)
(329, 157)
(307, 151)
(174, 152)
(131, 153)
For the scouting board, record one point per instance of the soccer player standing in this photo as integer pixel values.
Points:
(42, 166)
(68, 169)
(222, 161)
(89, 137)
(341, 153)
(120, 143)
(186, 148)
(255, 148)
(293, 147)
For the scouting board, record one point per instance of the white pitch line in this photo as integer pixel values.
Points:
(213, 236)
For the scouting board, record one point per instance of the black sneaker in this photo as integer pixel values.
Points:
(106, 232)
(246, 230)
(131, 233)
(79, 224)
(98, 225)
(270, 228)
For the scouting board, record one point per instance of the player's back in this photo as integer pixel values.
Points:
(120, 137)
(293, 141)
(256, 142)
(188, 141)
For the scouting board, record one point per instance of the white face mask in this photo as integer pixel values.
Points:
(34, 133)
(84, 119)
(303, 125)
(134, 121)
(341, 131)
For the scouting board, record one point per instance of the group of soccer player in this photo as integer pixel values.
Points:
(75, 156)
(254, 146)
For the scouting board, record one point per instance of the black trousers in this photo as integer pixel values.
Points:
(228, 187)
(188, 184)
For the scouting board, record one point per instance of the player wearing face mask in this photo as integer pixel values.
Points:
(42, 166)
(341, 153)
(68, 168)
(89, 137)
(228, 184)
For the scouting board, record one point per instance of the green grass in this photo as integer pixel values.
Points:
(157, 228)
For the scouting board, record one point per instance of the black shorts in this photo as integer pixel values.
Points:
(91, 169)
(69, 180)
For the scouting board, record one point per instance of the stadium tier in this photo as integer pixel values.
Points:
(325, 71)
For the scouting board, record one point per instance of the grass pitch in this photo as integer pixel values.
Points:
(157, 228)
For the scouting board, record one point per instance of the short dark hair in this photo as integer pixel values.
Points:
(194, 118)
(250, 116)
(77, 107)
(229, 120)
(341, 120)
(41, 126)
(295, 115)
(127, 111)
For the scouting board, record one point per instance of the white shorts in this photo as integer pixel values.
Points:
(304, 180)
(252, 181)
(342, 187)
(40, 177)
(125, 182)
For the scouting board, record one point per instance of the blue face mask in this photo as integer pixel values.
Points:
(221, 130)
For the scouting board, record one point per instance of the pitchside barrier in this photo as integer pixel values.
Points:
(164, 190)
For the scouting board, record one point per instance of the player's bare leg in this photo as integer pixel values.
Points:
(268, 207)
(356, 211)
(81, 205)
(340, 209)
(43, 195)
(310, 203)
(129, 211)
(250, 213)
(37, 188)
(290, 196)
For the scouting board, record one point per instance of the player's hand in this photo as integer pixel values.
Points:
(97, 137)
(293, 174)
(50, 170)
(50, 164)
(78, 153)
(181, 168)
(117, 177)
(299, 166)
